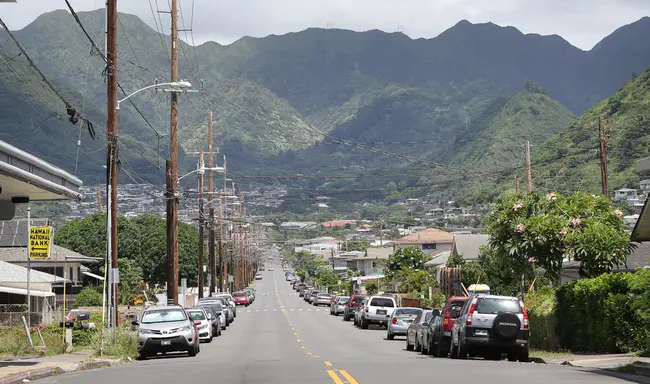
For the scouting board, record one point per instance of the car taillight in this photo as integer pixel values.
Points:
(469, 314)
(523, 310)
(366, 309)
(394, 320)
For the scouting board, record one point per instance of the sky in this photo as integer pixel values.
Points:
(581, 22)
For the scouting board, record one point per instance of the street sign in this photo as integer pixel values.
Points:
(40, 242)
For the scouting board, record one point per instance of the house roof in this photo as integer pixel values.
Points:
(19, 255)
(429, 235)
(468, 245)
(10, 273)
(438, 259)
(13, 233)
(641, 231)
(379, 253)
(640, 258)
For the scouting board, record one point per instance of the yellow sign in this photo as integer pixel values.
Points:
(40, 240)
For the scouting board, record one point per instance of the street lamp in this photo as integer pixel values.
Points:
(176, 86)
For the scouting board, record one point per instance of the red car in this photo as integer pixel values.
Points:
(240, 298)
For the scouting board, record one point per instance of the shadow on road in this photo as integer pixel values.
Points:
(17, 363)
(619, 375)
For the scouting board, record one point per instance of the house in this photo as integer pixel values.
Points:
(370, 263)
(467, 246)
(339, 223)
(429, 240)
(640, 258)
(62, 262)
(14, 291)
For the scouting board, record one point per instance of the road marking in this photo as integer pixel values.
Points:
(295, 333)
(257, 310)
(309, 353)
(266, 310)
(298, 340)
(303, 347)
(334, 377)
(348, 377)
(316, 356)
(327, 363)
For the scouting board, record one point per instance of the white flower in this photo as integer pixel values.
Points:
(576, 221)
(551, 197)
(618, 212)
(520, 228)
(518, 206)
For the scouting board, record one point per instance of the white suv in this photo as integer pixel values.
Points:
(489, 326)
(377, 310)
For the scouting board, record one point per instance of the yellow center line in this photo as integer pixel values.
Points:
(335, 377)
(309, 353)
(348, 377)
(298, 340)
(295, 333)
(327, 363)
(316, 356)
(303, 347)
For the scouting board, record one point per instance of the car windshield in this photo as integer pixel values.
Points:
(196, 315)
(382, 302)
(324, 295)
(163, 316)
(343, 300)
(238, 294)
(490, 305)
(407, 312)
(358, 300)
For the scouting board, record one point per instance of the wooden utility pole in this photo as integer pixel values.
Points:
(223, 257)
(112, 153)
(99, 200)
(201, 225)
(221, 263)
(516, 185)
(172, 171)
(603, 156)
(236, 250)
(211, 260)
(529, 180)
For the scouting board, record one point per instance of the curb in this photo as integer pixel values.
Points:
(32, 375)
(54, 371)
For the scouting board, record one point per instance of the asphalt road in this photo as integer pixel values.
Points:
(282, 339)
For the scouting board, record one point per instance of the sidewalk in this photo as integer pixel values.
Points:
(619, 364)
(16, 369)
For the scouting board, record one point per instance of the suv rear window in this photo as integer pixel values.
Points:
(488, 305)
(358, 299)
(381, 302)
(238, 294)
(408, 311)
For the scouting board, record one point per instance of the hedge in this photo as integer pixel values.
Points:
(609, 313)
(541, 313)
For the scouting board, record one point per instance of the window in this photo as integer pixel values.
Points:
(358, 299)
(163, 316)
(407, 311)
(196, 315)
(428, 246)
(382, 302)
(428, 317)
(497, 305)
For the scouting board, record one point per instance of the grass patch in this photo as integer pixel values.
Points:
(13, 341)
(126, 346)
(548, 354)
(627, 368)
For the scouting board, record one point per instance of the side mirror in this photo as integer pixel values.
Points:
(209, 316)
(425, 324)
(197, 322)
(388, 316)
(135, 322)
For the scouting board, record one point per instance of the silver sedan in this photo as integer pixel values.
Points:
(400, 320)
(322, 299)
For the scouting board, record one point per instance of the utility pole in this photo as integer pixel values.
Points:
(201, 225)
(603, 156)
(529, 180)
(235, 251)
(172, 171)
(223, 257)
(99, 200)
(516, 185)
(112, 152)
(213, 264)
(221, 263)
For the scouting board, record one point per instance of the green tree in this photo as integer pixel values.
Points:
(405, 259)
(546, 229)
(130, 279)
(372, 288)
(89, 297)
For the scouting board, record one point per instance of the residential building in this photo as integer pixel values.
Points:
(429, 240)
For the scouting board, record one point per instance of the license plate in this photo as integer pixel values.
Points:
(381, 312)
(166, 342)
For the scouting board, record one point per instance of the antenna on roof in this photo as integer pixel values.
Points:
(400, 28)
(330, 25)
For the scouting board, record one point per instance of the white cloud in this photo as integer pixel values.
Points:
(581, 22)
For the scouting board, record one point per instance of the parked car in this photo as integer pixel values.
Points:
(229, 303)
(204, 325)
(338, 305)
(166, 329)
(400, 321)
(270, 268)
(241, 298)
(216, 319)
(307, 294)
(218, 307)
(312, 296)
(258, 276)
(251, 294)
(352, 306)
(322, 298)
(437, 336)
(377, 310)
(359, 312)
(414, 331)
(490, 326)
(303, 292)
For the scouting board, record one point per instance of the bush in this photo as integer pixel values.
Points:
(603, 314)
(126, 346)
(372, 288)
(89, 297)
(541, 314)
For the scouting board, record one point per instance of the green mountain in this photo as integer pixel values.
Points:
(282, 103)
(570, 160)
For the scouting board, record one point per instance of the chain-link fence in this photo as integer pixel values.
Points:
(12, 315)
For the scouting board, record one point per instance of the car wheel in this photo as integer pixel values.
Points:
(390, 336)
(192, 352)
(523, 355)
(364, 324)
(345, 317)
(409, 347)
(462, 351)
(142, 356)
(418, 347)
(453, 350)
(441, 351)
